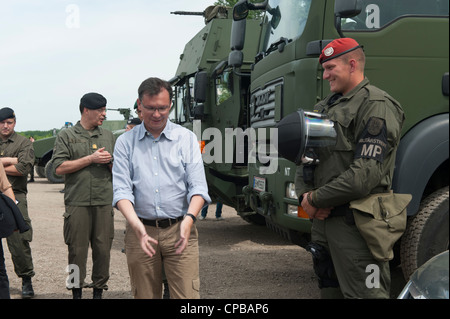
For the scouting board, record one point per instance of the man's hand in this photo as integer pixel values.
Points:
(146, 244)
(314, 212)
(185, 232)
(101, 156)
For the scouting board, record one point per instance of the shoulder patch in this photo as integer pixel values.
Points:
(372, 144)
(375, 126)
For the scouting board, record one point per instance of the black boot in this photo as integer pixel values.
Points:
(76, 293)
(27, 288)
(97, 293)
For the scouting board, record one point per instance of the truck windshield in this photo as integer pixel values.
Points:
(286, 19)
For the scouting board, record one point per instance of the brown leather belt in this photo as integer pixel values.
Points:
(161, 223)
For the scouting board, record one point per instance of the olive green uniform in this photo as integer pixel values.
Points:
(19, 243)
(368, 123)
(88, 198)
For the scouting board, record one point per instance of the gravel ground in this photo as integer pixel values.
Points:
(238, 260)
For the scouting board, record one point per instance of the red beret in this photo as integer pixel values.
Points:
(337, 48)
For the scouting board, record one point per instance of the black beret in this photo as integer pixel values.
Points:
(135, 121)
(7, 113)
(93, 101)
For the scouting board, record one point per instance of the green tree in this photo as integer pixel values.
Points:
(231, 3)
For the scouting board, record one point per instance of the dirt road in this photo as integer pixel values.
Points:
(237, 260)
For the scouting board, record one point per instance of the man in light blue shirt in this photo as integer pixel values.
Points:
(160, 187)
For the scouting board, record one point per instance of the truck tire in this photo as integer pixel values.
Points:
(51, 175)
(40, 171)
(427, 233)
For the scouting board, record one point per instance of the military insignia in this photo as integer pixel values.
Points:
(329, 51)
(373, 144)
(94, 146)
(374, 126)
(1, 154)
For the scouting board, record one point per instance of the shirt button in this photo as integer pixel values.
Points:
(156, 174)
(154, 157)
(156, 191)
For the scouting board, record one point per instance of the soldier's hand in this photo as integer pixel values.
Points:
(101, 156)
(308, 208)
(322, 213)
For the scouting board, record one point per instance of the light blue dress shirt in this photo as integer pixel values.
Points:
(158, 176)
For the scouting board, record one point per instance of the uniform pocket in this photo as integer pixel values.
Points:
(66, 228)
(381, 220)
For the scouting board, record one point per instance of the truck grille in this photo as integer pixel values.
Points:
(262, 105)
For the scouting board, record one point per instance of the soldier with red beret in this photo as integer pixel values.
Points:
(368, 123)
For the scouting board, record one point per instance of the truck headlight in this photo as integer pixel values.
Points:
(290, 191)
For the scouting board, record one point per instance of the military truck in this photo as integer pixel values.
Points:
(210, 97)
(43, 148)
(406, 43)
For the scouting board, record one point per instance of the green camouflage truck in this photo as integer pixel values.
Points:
(210, 97)
(407, 48)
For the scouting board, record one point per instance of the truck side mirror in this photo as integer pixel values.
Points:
(238, 34)
(235, 59)
(200, 84)
(345, 9)
(240, 10)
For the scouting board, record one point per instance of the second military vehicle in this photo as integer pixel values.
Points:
(211, 99)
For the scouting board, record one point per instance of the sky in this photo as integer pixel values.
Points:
(54, 51)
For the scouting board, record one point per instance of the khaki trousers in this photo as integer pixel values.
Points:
(94, 225)
(182, 270)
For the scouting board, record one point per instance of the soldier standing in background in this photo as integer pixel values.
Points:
(17, 156)
(83, 154)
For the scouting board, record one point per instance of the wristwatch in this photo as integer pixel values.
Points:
(192, 216)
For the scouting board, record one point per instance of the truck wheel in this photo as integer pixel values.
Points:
(51, 175)
(40, 171)
(427, 232)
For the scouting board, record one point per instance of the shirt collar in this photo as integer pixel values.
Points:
(11, 138)
(80, 129)
(347, 96)
(167, 131)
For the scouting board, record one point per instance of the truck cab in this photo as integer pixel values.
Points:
(210, 98)
(406, 46)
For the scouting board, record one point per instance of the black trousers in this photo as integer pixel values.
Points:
(4, 282)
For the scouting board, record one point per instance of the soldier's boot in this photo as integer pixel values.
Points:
(27, 288)
(97, 293)
(76, 293)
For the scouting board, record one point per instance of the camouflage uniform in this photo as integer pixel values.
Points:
(368, 123)
(88, 198)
